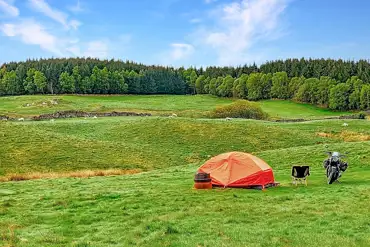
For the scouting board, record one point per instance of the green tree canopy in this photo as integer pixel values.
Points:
(199, 84)
(339, 97)
(29, 84)
(254, 86)
(40, 81)
(365, 97)
(226, 87)
(280, 83)
(67, 83)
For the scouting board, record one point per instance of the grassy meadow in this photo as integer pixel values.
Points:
(290, 109)
(158, 207)
(183, 105)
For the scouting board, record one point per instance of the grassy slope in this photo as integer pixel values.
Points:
(187, 106)
(146, 143)
(159, 207)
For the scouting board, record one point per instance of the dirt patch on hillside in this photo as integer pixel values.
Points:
(5, 118)
(76, 174)
(347, 136)
(74, 114)
(323, 134)
(46, 103)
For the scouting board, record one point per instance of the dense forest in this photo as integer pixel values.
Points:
(337, 84)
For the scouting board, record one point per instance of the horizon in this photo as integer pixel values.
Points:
(178, 33)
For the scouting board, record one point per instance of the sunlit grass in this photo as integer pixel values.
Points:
(183, 105)
(160, 208)
(197, 105)
(71, 203)
(290, 109)
(146, 143)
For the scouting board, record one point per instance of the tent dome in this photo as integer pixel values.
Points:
(237, 169)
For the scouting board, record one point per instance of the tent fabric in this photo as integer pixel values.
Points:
(237, 169)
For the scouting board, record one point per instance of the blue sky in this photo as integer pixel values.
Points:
(185, 32)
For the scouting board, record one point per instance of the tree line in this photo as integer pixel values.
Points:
(337, 84)
(354, 94)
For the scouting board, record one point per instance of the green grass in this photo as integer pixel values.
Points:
(290, 109)
(146, 143)
(159, 207)
(158, 104)
(186, 106)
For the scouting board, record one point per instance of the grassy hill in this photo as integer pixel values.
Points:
(158, 206)
(151, 143)
(185, 106)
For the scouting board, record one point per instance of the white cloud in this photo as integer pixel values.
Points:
(58, 42)
(30, 32)
(180, 51)
(96, 49)
(8, 8)
(76, 8)
(75, 24)
(56, 15)
(75, 50)
(239, 26)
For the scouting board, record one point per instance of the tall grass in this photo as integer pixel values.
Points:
(75, 174)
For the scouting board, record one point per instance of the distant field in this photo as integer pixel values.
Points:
(290, 109)
(183, 105)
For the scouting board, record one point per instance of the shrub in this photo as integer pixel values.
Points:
(361, 115)
(240, 109)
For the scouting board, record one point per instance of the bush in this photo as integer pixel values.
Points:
(240, 109)
(361, 115)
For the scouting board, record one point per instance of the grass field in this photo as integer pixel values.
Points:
(158, 207)
(290, 109)
(185, 106)
(149, 143)
(189, 106)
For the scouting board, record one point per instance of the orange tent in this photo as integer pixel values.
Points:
(238, 169)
